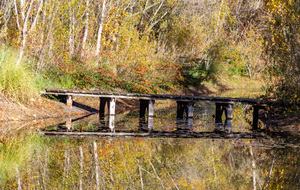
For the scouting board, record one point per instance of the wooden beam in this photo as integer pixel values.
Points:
(97, 93)
(75, 133)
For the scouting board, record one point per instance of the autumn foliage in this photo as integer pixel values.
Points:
(153, 46)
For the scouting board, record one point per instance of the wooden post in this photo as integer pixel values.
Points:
(255, 116)
(219, 112)
(112, 111)
(180, 111)
(69, 124)
(229, 117)
(190, 114)
(102, 110)
(143, 108)
(150, 115)
(69, 101)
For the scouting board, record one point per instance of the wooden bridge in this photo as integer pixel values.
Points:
(184, 105)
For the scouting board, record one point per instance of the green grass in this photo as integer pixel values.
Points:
(17, 82)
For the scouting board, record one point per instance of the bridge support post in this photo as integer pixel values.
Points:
(185, 107)
(69, 124)
(229, 117)
(180, 111)
(112, 112)
(220, 108)
(150, 115)
(103, 102)
(219, 113)
(69, 101)
(111, 105)
(143, 108)
(149, 106)
(256, 109)
(190, 114)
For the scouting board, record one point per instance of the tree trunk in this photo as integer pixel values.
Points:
(81, 167)
(219, 18)
(86, 28)
(96, 166)
(24, 31)
(19, 179)
(71, 29)
(253, 169)
(103, 13)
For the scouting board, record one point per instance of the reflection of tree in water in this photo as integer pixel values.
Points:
(163, 163)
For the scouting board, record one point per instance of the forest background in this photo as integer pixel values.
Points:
(149, 46)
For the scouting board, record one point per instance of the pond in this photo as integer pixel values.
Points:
(175, 156)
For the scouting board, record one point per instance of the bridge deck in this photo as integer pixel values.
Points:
(189, 98)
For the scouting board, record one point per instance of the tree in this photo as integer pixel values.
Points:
(282, 44)
(29, 16)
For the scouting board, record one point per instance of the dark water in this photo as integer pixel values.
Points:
(177, 158)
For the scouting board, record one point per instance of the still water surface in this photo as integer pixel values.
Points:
(197, 158)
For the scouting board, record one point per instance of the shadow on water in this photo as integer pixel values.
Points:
(84, 154)
(166, 126)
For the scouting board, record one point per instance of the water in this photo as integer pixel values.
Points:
(174, 157)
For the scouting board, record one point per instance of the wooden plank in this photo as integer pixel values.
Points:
(156, 134)
(97, 93)
(75, 133)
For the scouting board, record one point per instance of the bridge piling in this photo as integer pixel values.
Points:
(112, 112)
(190, 114)
(146, 105)
(256, 109)
(219, 113)
(228, 109)
(150, 115)
(143, 109)
(69, 101)
(103, 102)
(111, 107)
(229, 117)
(181, 107)
(185, 107)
